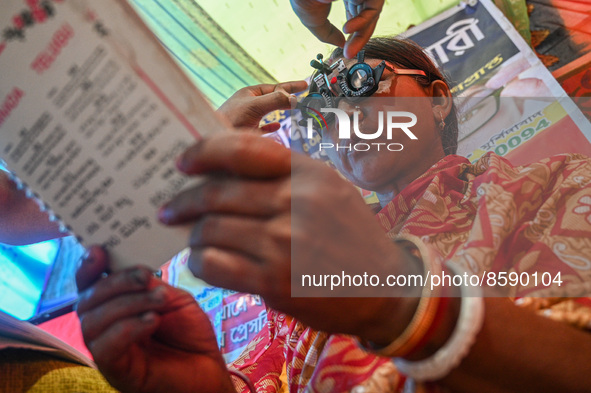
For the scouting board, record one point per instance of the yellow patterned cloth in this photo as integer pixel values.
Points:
(27, 371)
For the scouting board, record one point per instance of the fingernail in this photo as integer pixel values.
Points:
(139, 277)
(83, 260)
(164, 214)
(158, 295)
(148, 317)
(84, 295)
(88, 258)
(180, 163)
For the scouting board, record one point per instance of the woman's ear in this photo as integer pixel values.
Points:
(442, 100)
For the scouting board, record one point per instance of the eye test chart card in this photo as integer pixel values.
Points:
(93, 113)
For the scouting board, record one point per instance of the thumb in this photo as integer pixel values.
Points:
(328, 33)
(279, 99)
(93, 265)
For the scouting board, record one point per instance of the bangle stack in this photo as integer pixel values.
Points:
(430, 312)
(457, 347)
(421, 323)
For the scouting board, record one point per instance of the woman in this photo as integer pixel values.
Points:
(262, 209)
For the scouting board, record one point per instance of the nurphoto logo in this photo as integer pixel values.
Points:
(392, 120)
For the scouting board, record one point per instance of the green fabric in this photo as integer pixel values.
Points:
(516, 12)
(26, 371)
(209, 56)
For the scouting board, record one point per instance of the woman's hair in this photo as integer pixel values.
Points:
(405, 53)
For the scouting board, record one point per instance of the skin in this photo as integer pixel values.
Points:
(234, 238)
(256, 170)
(515, 351)
(21, 221)
(314, 15)
(384, 171)
(260, 100)
(244, 226)
(142, 332)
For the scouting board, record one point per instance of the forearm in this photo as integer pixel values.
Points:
(517, 350)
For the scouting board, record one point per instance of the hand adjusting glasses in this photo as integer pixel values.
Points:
(331, 82)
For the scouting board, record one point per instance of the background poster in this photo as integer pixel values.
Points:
(508, 101)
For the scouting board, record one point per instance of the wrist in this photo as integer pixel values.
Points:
(397, 312)
(389, 322)
(442, 327)
(446, 357)
(414, 327)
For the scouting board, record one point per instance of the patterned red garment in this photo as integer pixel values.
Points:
(487, 216)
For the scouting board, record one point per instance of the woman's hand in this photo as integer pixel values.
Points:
(249, 105)
(145, 335)
(262, 211)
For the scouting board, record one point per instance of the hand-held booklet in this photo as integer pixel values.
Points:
(93, 113)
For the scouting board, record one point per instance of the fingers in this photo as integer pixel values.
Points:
(242, 253)
(127, 281)
(288, 87)
(362, 15)
(226, 269)
(111, 349)
(97, 320)
(293, 86)
(235, 233)
(355, 43)
(269, 98)
(117, 311)
(361, 28)
(329, 33)
(353, 7)
(227, 195)
(362, 21)
(269, 102)
(314, 15)
(92, 267)
(241, 154)
(248, 105)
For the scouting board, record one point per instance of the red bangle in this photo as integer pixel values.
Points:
(442, 310)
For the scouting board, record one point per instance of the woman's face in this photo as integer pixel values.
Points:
(379, 169)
